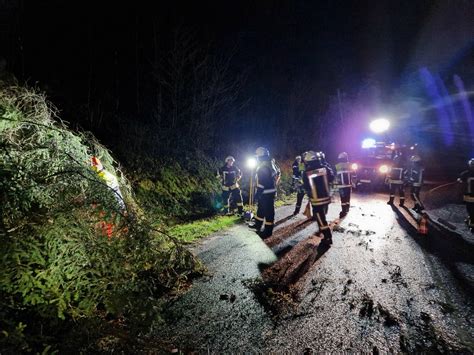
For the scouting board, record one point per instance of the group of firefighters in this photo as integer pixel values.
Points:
(312, 175)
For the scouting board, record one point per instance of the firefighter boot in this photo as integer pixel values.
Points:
(267, 231)
(402, 202)
(257, 225)
(327, 237)
(297, 210)
(390, 202)
(345, 210)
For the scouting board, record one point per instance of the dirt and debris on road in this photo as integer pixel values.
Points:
(380, 287)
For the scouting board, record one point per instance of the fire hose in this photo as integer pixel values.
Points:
(441, 186)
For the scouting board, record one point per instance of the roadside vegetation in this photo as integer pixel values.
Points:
(67, 246)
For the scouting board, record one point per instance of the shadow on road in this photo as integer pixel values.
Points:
(289, 269)
(286, 232)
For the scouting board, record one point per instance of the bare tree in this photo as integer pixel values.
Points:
(195, 90)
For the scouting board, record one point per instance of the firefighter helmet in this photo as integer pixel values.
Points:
(471, 164)
(415, 158)
(321, 157)
(343, 156)
(310, 156)
(262, 152)
(298, 158)
(96, 164)
(231, 158)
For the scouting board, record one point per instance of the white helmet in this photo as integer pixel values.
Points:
(261, 152)
(471, 163)
(415, 158)
(230, 157)
(310, 156)
(298, 158)
(343, 155)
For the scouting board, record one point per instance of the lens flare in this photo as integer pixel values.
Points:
(383, 169)
(251, 163)
(354, 166)
(379, 125)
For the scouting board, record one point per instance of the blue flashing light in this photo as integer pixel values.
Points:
(368, 143)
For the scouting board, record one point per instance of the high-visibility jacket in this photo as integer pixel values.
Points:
(398, 171)
(343, 174)
(298, 169)
(468, 178)
(416, 175)
(112, 182)
(316, 180)
(230, 176)
(267, 174)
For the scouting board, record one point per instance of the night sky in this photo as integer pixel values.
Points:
(79, 49)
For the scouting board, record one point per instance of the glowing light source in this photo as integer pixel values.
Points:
(251, 163)
(368, 143)
(379, 125)
(383, 169)
(354, 166)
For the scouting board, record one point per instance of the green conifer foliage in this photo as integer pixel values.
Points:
(67, 249)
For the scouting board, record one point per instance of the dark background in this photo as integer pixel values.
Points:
(299, 74)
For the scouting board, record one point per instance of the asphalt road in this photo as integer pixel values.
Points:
(380, 287)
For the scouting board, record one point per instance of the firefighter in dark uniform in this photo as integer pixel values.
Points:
(316, 179)
(344, 183)
(297, 183)
(230, 176)
(397, 178)
(467, 177)
(268, 175)
(415, 178)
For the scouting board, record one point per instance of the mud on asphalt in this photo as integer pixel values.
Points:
(377, 289)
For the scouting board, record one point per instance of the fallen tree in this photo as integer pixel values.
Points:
(71, 250)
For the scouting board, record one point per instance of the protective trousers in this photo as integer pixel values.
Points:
(265, 212)
(345, 193)
(415, 195)
(401, 191)
(319, 214)
(236, 197)
(299, 200)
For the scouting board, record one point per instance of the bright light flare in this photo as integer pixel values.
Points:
(368, 143)
(379, 125)
(354, 166)
(383, 169)
(251, 163)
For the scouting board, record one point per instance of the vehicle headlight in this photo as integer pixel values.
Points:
(383, 169)
(354, 166)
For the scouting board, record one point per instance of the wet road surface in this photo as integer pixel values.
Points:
(380, 287)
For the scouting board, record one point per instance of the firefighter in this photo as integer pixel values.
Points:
(343, 173)
(268, 175)
(316, 179)
(297, 183)
(110, 180)
(397, 178)
(467, 177)
(415, 179)
(230, 176)
(296, 170)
